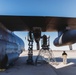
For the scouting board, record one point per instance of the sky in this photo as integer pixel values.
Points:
(65, 8)
(60, 8)
(23, 35)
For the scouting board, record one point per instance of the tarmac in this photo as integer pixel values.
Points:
(58, 68)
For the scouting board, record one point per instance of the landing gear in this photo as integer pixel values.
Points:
(30, 49)
(34, 34)
(45, 53)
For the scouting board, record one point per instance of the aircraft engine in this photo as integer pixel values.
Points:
(9, 59)
(66, 38)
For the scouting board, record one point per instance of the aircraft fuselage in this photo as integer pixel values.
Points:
(10, 47)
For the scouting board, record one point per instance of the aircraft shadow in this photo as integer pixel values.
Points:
(20, 65)
(58, 59)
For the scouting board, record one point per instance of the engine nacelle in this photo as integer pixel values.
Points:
(9, 59)
(66, 38)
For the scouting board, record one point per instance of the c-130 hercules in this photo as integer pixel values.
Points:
(65, 26)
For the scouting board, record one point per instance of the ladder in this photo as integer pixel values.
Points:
(45, 55)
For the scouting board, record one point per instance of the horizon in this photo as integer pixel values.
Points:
(53, 35)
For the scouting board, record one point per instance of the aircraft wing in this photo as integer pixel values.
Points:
(46, 23)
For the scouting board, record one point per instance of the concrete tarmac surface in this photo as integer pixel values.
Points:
(21, 68)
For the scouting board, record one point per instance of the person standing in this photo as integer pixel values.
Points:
(64, 56)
